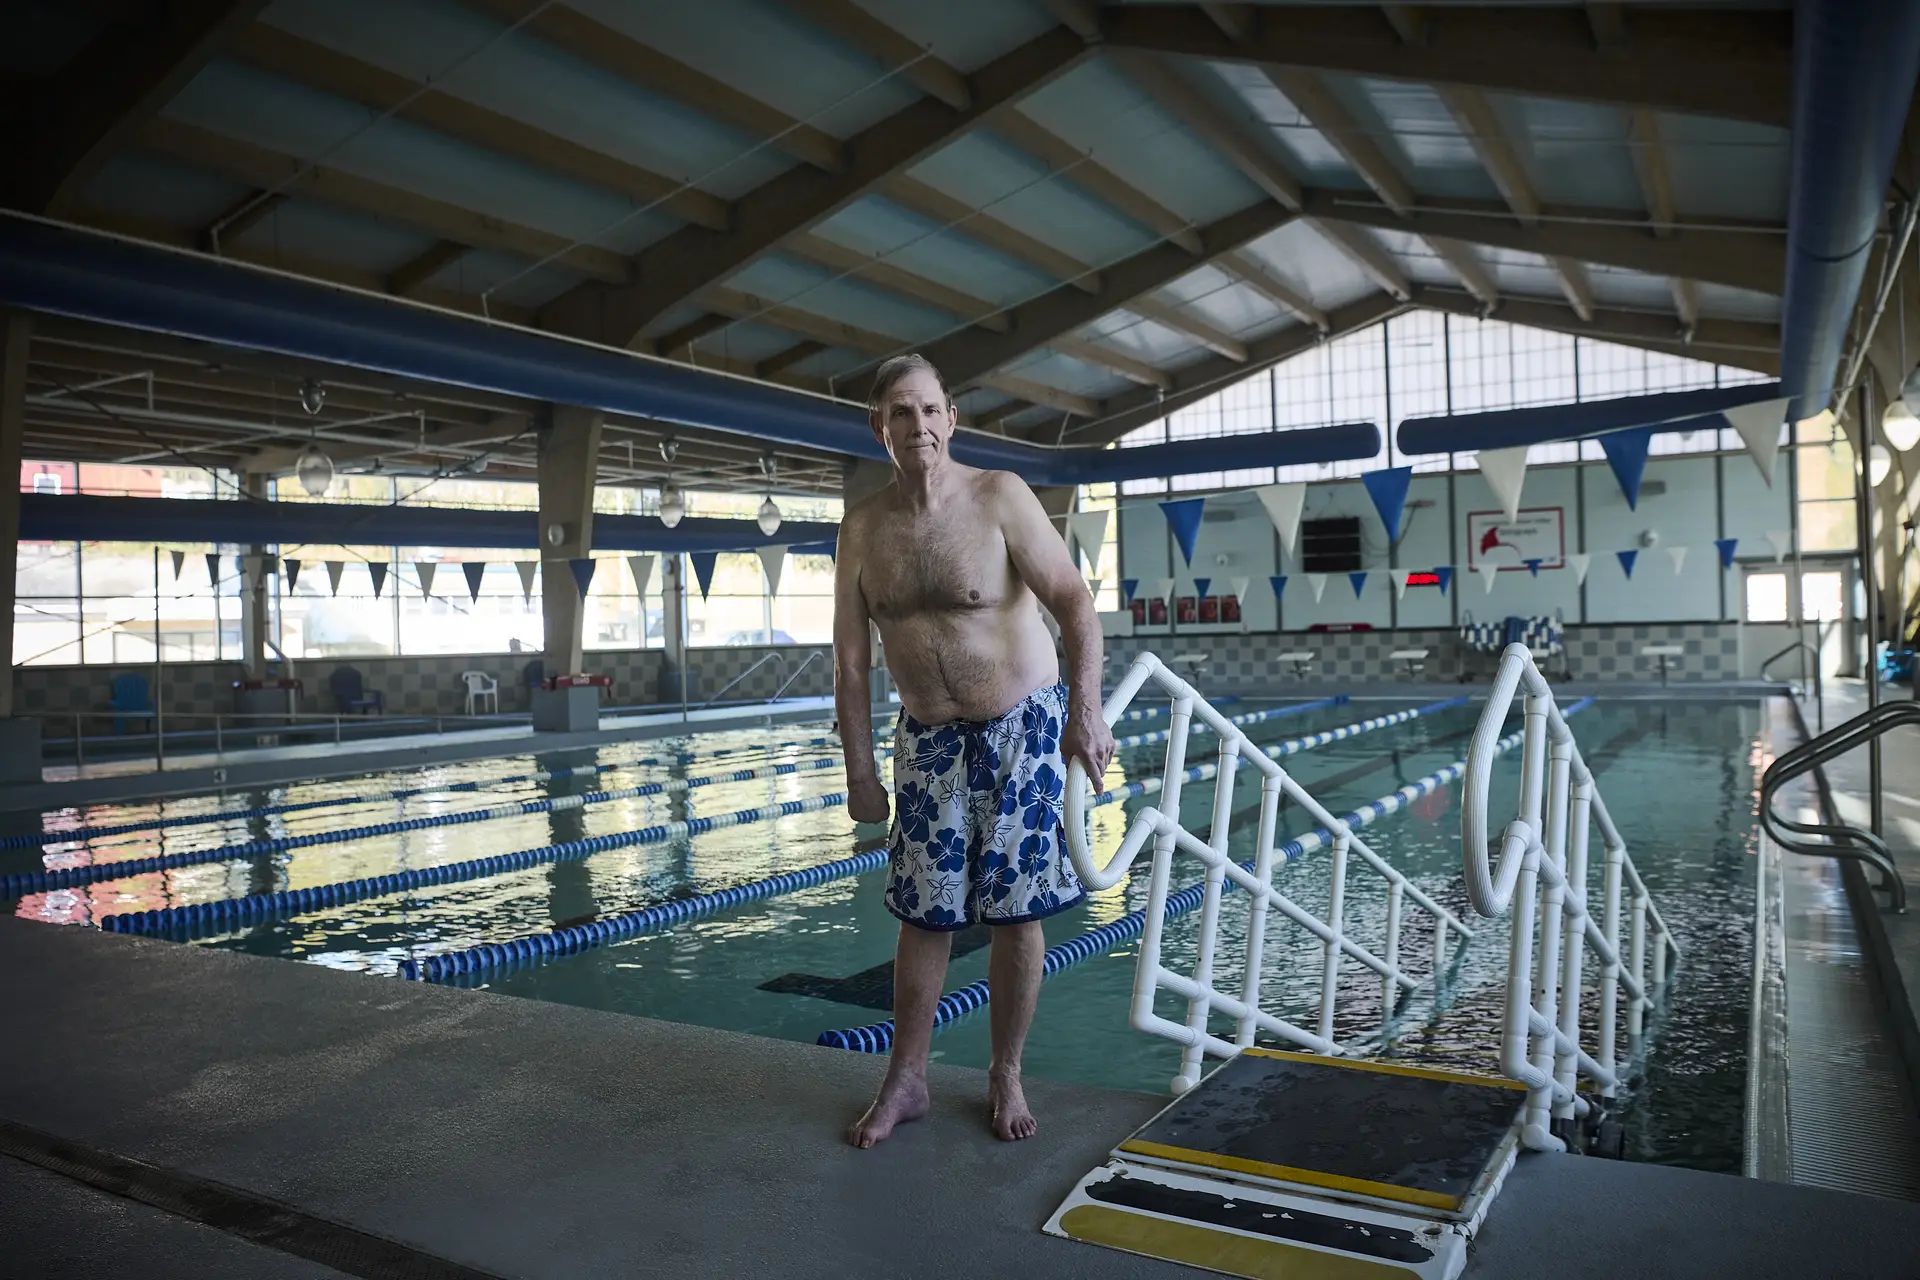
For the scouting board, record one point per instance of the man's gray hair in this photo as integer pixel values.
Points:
(897, 367)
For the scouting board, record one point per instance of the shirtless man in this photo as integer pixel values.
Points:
(950, 560)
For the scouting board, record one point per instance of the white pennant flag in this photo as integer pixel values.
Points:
(1089, 529)
(1487, 572)
(641, 567)
(1284, 503)
(772, 561)
(1505, 471)
(1782, 541)
(1399, 577)
(334, 569)
(1759, 428)
(526, 568)
(1580, 560)
(1238, 586)
(1318, 581)
(1679, 557)
(425, 569)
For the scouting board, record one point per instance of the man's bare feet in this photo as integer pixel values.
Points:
(1007, 1104)
(901, 1098)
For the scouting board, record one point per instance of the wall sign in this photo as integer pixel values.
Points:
(1540, 533)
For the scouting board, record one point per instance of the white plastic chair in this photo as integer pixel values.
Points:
(480, 685)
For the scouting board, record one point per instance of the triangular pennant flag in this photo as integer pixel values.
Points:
(1279, 584)
(1533, 565)
(334, 569)
(1166, 588)
(772, 561)
(1505, 471)
(1782, 542)
(1089, 529)
(1128, 588)
(1679, 557)
(1318, 581)
(1388, 489)
(213, 568)
(703, 562)
(475, 571)
(1725, 546)
(1094, 585)
(1183, 517)
(1359, 581)
(1627, 558)
(1443, 577)
(179, 562)
(1200, 586)
(1399, 577)
(527, 569)
(583, 567)
(293, 573)
(1284, 503)
(378, 572)
(1627, 454)
(1487, 572)
(1579, 561)
(641, 567)
(425, 570)
(1759, 428)
(1237, 587)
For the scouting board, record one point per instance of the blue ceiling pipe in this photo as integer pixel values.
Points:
(89, 275)
(1854, 66)
(1509, 428)
(98, 518)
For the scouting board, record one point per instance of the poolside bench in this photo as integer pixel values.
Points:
(1416, 659)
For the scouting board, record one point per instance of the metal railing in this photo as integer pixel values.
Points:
(778, 659)
(1161, 824)
(1542, 873)
(1837, 840)
(1810, 677)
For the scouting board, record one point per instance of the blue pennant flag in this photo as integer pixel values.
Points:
(703, 562)
(1388, 489)
(1127, 587)
(1359, 581)
(1200, 586)
(378, 572)
(293, 573)
(475, 570)
(213, 568)
(1533, 566)
(582, 567)
(1726, 546)
(1626, 561)
(1183, 517)
(1627, 454)
(1444, 575)
(1279, 582)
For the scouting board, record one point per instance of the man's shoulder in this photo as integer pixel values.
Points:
(1000, 484)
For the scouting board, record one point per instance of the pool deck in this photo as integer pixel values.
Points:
(513, 1137)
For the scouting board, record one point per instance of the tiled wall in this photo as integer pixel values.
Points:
(429, 684)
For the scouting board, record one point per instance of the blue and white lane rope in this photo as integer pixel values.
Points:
(878, 1037)
(647, 919)
(14, 886)
(1250, 717)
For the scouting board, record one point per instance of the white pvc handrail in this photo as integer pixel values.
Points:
(1540, 874)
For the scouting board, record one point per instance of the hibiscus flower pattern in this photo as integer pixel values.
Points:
(977, 827)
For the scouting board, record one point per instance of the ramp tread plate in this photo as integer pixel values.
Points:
(1399, 1133)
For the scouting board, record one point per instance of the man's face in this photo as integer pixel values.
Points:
(915, 422)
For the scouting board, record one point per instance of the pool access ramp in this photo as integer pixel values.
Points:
(469, 1133)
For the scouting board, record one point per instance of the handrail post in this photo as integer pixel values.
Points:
(1549, 1059)
(1610, 975)
(1336, 922)
(1390, 952)
(1637, 962)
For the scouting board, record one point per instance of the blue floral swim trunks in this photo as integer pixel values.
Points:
(976, 828)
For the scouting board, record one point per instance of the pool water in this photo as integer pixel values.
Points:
(1680, 779)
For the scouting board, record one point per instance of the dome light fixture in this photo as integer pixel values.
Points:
(314, 470)
(769, 517)
(1879, 464)
(1901, 425)
(673, 504)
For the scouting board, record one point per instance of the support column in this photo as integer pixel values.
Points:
(255, 607)
(569, 460)
(673, 631)
(19, 736)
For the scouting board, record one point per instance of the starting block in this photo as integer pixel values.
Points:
(1284, 1164)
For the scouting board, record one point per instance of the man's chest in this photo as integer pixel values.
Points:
(950, 562)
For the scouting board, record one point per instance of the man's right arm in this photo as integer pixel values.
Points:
(852, 690)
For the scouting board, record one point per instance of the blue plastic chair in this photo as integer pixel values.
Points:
(130, 699)
(350, 693)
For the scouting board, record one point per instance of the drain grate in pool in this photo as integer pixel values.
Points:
(869, 988)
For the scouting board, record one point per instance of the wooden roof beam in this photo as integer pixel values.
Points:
(878, 273)
(1081, 169)
(1187, 325)
(853, 25)
(1256, 275)
(1092, 353)
(1231, 138)
(963, 219)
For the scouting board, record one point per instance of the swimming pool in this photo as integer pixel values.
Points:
(1680, 777)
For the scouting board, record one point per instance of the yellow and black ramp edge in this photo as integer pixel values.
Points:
(1253, 1231)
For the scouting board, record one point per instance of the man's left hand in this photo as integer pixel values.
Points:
(1089, 740)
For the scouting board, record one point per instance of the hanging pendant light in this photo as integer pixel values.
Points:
(769, 517)
(1879, 464)
(673, 504)
(1901, 425)
(314, 470)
